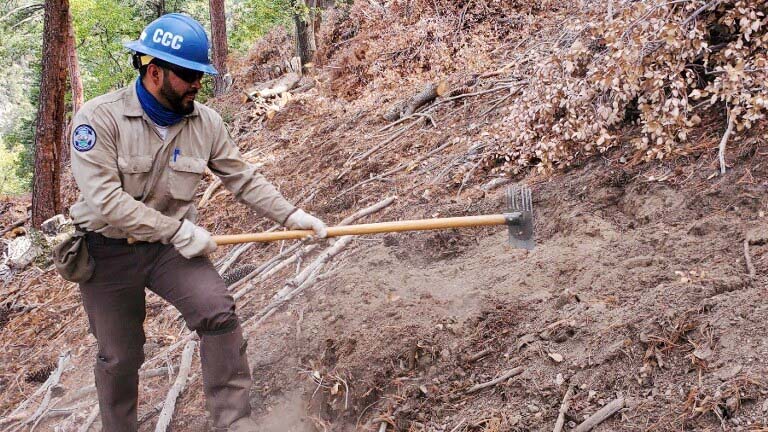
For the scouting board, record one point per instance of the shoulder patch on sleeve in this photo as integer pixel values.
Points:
(84, 138)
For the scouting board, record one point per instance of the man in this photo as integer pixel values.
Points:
(139, 154)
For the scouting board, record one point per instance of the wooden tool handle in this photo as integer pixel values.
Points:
(373, 228)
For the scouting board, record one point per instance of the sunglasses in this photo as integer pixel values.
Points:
(188, 75)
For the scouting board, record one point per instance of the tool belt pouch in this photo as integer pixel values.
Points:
(72, 259)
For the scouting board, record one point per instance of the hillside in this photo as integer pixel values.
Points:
(639, 289)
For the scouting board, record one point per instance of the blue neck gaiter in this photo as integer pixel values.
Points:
(159, 114)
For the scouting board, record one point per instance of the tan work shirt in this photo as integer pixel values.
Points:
(134, 184)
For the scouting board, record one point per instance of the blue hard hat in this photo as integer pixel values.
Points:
(178, 39)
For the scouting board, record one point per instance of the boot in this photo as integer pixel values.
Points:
(227, 381)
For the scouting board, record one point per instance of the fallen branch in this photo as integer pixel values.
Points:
(90, 419)
(28, 10)
(493, 184)
(501, 101)
(268, 311)
(13, 226)
(151, 413)
(305, 84)
(372, 150)
(477, 356)
(503, 377)
(275, 87)
(497, 72)
(20, 412)
(563, 409)
(269, 264)
(53, 382)
(721, 152)
(375, 148)
(699, 11)
(404, 119)
(424, 97)
(748, 260)
(397, 169)
(467, 177)
(455, 429)
(77, 396)
(306, 277)
(483, 92)
(601, 415)
(346, 221)
(609, 14)
(209, 193)
(83, 392)
(395, 111)
(181, 382)
(223, 265)
(407, 107)
(233, 255)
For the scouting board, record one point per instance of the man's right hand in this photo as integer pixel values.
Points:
(192, 241)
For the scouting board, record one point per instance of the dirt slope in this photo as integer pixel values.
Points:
(638, 287)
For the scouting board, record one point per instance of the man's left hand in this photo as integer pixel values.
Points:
(301, 220)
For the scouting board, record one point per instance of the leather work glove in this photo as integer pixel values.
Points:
(301, 220)
(192, 241)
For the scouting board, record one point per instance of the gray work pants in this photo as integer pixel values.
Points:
(114, 299)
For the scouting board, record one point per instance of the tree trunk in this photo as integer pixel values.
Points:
(159, 7)
(219, 37)
(75, 81)
(46, 196)
(75, 84)
(305, 34)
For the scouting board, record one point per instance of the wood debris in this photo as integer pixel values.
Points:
(177, 388)
(407, 107)
(601, 415)
(270, 97)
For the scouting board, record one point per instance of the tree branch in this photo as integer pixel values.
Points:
(721, 152)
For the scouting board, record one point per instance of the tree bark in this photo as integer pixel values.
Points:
(46, 196)
(75, 85)
(219, 37)
(160, 8)
(75, 80)
(305, 34)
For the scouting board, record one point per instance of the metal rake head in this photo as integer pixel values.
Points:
(520, 216)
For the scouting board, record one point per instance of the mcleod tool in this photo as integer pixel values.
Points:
(519, 220)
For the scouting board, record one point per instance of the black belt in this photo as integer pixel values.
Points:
(95, 238)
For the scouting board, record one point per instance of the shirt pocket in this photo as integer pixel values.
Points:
(134, 173)
(186, 172)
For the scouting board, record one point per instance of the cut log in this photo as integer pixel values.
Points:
(394, 112)
(422, 98)
(407, 107)
(307, 83)
(274, 87)
(284, 84)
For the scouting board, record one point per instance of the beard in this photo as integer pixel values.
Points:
(178, 104)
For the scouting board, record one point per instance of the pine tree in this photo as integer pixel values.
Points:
(46, 196)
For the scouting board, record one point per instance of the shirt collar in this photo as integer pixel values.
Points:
(133, 106)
